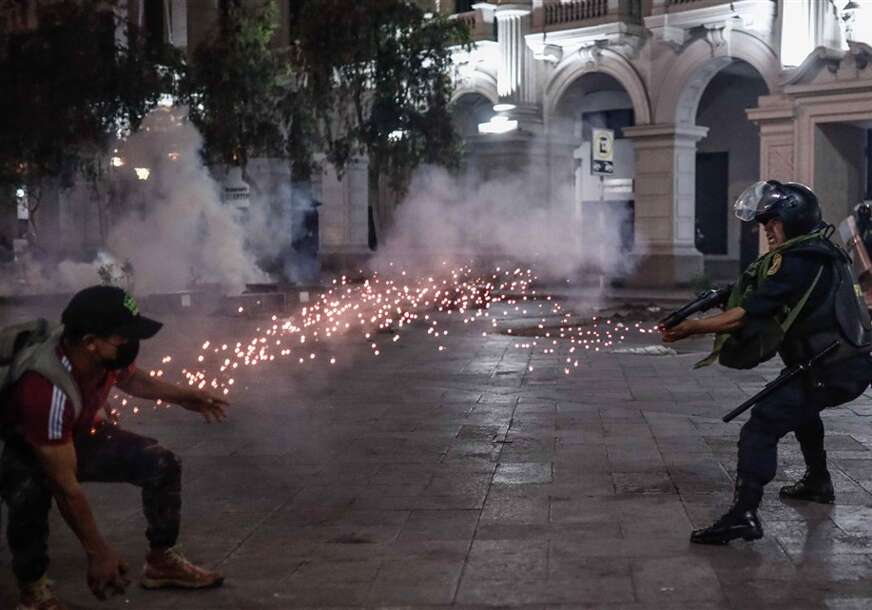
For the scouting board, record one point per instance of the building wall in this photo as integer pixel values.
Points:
(813, 129)
(668, 61)
(677, 68)
(839, 172)
(722, 109)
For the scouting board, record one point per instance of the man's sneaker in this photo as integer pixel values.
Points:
(734, 524)
(166, 569)
(810, 488)
(39, 596)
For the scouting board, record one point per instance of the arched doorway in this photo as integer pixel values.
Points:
(468, 110)
(602, 203)
(727, 161)
(666, 153)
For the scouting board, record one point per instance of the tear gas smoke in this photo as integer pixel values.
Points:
(175, 230)
(276, 215)
(172, 226)
(445, 217)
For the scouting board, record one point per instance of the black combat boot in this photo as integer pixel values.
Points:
(815, 485)
(740, 521)
(812, 487)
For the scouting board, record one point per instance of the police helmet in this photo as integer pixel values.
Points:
(863, 213)
(793, 203)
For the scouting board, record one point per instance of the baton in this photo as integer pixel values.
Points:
(779, 381)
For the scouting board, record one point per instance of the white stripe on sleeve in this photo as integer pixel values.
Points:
(56, 416)
(58, 404)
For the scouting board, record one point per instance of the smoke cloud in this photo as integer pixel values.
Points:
(277, 214)
(181, 234)
(458, 218)
(168, 221)
(176, 233)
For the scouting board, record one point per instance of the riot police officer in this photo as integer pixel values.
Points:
(799, 297)
(863, 216)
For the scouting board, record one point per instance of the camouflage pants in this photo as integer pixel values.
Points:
(111, 455)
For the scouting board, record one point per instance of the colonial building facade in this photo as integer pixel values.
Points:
(703, 97)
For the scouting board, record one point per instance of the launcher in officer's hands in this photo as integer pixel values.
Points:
(705, 300)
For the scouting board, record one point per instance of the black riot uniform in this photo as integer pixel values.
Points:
(819, 271)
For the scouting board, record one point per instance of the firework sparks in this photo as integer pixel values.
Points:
(391, 305)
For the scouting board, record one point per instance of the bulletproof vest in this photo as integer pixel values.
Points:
(842, 315)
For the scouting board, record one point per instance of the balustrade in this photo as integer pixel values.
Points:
(479, 29)
(658, 7)
(555, 15)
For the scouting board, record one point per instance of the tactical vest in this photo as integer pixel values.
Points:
(841, 316)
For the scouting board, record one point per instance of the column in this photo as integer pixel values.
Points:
(344, 214)
(512, 25)
(664, 253)
(516, 82)
(775, 117)
(178, 23)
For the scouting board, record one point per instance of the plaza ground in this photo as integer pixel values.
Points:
(463, 478)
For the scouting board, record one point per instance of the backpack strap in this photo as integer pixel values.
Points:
(791, 316)
(43, 358)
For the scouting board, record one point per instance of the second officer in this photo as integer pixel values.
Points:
(796, 299)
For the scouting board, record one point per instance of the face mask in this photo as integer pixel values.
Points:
(126, 354)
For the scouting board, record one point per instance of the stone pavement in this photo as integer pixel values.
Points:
(463, 478)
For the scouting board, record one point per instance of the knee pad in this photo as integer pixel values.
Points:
(755, 431)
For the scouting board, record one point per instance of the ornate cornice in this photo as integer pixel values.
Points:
(622, 38)
(714, 24)
(843, 65)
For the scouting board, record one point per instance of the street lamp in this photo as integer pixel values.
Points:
(498, 124)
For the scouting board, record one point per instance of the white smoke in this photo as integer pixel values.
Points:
(458, 218)
(182, 234)
(172, 228)
(276, 214)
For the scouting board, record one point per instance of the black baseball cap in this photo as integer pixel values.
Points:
(107, 310)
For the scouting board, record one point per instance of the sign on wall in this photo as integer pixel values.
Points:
(603, 154)
(236, 193)
(22, 209)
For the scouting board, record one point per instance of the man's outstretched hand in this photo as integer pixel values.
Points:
(106, 574)
(143, 385)
(211, 407)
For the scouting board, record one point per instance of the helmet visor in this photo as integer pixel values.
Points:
(748, 203)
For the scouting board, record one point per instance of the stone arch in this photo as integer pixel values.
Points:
(469, 109)
(608, 62)
(479, 84)
(680, 93)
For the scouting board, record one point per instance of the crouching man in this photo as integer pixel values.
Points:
(56, 439)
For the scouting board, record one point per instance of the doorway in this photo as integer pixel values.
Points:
(712, 181)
